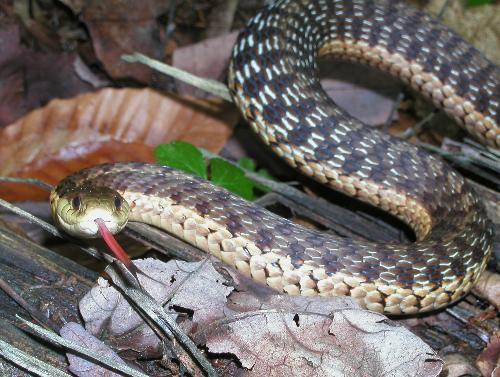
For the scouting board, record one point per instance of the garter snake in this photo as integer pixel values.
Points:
(273, 80)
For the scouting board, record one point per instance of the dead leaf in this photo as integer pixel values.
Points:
(196, 287)
(80, 366)
(365, 93)
(488, 287)
(208, 59)
(29, 79)
(124, 27)
(350, 342)
(456, 365)
(488, 361)
(269, 333)
(108, 125)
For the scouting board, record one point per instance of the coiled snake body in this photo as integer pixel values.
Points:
(274, 82)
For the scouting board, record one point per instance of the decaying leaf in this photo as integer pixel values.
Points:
(488, 287)
(269, 334)
(29, 79)
(196, 287)
(365, 93)
(116, 121)
(488, 361)
(121, 27)
(456, 365)
(80, 366)
(208, 58)
(350, 342)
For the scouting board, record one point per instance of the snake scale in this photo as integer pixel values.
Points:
(273, 80)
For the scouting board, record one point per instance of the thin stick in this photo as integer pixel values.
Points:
(161, 321)
(409, 132)
(34, 313)
(28, 181)
(92, 355)
(32, 219)
(28, 362)
(212, 86)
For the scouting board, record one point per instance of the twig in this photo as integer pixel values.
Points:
(28, 362)
(394, 108)
(409, 132)
(32, 219)
(34, 313)
(161, 321)
(164, 242)
(28, 181)
(469, 162)
(90, 354)
(212, 86)
(443, 9)
(170, 27)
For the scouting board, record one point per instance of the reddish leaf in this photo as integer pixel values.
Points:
(122, 27)
(29, 79)
(109, 125)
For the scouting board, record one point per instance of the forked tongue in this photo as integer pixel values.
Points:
(113, 244)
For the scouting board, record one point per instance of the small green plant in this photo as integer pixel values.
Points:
(475, 3)
(184, 156)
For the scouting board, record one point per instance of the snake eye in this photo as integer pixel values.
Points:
(76, 202)
(118, 202)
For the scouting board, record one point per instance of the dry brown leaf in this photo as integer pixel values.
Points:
(80, 366)
(208, 59)
(365, 93)
(351, 342)
(29, 79)
(122, 27)
(270, 334)
(488, 361)
(193, 286)
(108, 125)
(456, 365)
(488, 287)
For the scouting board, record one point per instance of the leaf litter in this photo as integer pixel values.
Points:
(267, 333)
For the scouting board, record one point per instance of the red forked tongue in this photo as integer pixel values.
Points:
(113, 244)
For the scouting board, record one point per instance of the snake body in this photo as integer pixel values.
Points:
(274, 82)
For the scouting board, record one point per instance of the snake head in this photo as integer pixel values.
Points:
(76, 210)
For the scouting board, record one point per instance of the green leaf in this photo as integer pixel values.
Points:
(231, 177)
(183, 156)
(475, 3)
(247, 163)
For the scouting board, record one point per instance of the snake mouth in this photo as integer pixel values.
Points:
(87, 227)
(77, 211)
